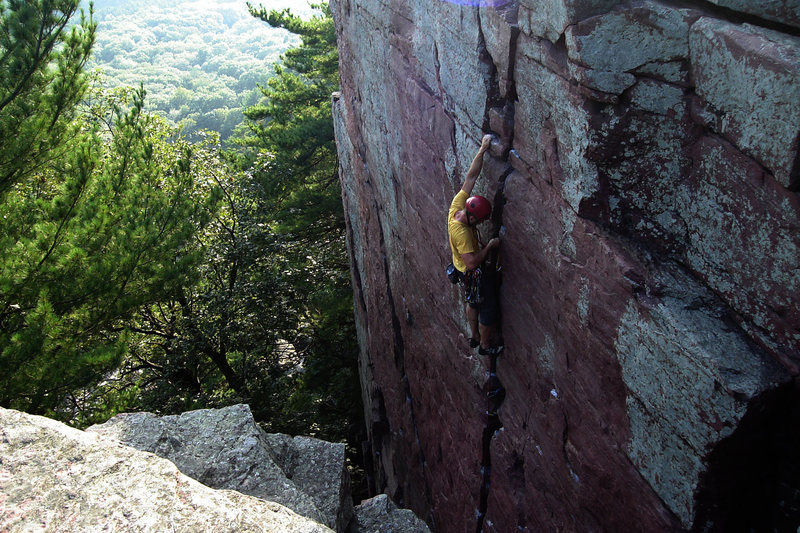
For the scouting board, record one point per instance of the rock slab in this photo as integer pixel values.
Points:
(318, 469)
(225, 449)
(381, 515)
(56, 478)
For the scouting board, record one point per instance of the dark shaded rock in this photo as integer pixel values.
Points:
(783, 11)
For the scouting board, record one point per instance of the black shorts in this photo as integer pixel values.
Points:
(489, 304)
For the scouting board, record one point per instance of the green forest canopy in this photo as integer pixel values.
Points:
(145, 270)
(200, 61)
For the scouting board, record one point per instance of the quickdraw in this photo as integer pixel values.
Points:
(472, 286)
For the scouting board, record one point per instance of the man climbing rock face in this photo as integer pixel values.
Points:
(466, 212)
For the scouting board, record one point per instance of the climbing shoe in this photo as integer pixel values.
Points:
(494, 350)
(497, 394)
(474, 343)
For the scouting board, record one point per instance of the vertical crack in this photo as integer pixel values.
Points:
(497, 99)
(493, 388)
(565, 444)
(495, 395)
(498, 117)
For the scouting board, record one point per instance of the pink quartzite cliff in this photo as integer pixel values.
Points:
(646, 177)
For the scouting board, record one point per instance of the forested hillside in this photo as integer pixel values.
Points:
(145, 269)
(199, 60)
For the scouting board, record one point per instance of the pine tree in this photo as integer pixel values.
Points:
(270, 321)
(292, 130)
(296, 165)
(96, 211)
(41, 82)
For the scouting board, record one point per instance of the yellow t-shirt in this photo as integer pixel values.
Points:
(462, 237)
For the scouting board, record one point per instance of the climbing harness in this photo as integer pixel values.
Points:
(471, 280)
(472, 286)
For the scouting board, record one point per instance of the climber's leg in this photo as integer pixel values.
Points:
(487, 335)
(472, 317)
(489, 313)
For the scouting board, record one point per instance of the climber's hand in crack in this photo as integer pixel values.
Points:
(473, 260)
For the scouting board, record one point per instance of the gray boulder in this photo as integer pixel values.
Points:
(381, 515)
(318, 469)
(225, 449)
(56, 478)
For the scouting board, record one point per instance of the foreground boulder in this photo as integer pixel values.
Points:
(318, 469)
(225, 449)
(56, 478)
(381, 515)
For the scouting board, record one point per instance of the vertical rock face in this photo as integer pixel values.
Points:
(647, 168)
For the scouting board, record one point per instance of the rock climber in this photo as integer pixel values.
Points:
(470, 257)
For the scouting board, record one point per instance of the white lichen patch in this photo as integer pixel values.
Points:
(688, 378)
(583, 302)
(658, 98)
(546, 354)
(750, 79)
(622, 41)
(567, 246)
(550, 102)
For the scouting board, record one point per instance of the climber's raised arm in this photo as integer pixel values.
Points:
(476, 166)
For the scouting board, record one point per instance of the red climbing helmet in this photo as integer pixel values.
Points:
(479, 207)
